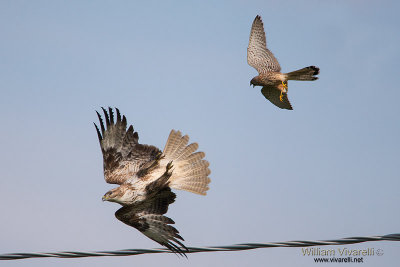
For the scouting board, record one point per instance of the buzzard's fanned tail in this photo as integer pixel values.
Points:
(190, 171)
(304, 74)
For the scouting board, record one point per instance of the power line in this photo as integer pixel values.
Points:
(238, 247)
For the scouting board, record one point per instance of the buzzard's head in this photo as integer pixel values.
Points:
(112, 195)
(123, 195)
(255, 81)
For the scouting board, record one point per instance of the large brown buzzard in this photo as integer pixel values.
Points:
(146, 176)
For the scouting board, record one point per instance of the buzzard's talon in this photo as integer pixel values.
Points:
(169, 166)
(159, 156)
(284, 85)
(280, 97)
(151, 165)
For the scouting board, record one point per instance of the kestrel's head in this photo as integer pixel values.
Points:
(122, 195)
(256, 81)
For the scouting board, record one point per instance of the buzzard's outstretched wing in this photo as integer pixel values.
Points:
(258, 56)
(272, 93)
(123, 156)
(148, 218)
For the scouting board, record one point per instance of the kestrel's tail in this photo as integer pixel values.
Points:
(190, 171)
(304, 74)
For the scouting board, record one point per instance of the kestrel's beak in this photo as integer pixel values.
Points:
(104, 198)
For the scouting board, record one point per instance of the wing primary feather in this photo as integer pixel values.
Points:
(118, 115)
(101, 123)
(98, 132)
(174, 248)
(181, 238)
(130, 129)
(182, 246)
(171, 248)
(106, 117)
(180, 243)
(110, 111)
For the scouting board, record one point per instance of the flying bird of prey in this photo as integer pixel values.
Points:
(274, 83)
(146, 176)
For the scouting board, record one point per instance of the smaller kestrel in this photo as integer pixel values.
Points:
(274, 83)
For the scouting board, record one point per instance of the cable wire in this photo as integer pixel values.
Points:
(237, 247)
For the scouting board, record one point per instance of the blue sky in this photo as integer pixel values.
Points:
(328, 169)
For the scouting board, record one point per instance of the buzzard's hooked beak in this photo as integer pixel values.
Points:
(104, 198)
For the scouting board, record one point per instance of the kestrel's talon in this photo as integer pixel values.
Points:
(281, 97)
(284, 85)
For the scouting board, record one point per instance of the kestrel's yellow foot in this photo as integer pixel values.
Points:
(284, 87)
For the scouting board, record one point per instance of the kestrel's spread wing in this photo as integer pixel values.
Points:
(258, 55)
(272, 93)
(148, 218)
(123, 156)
